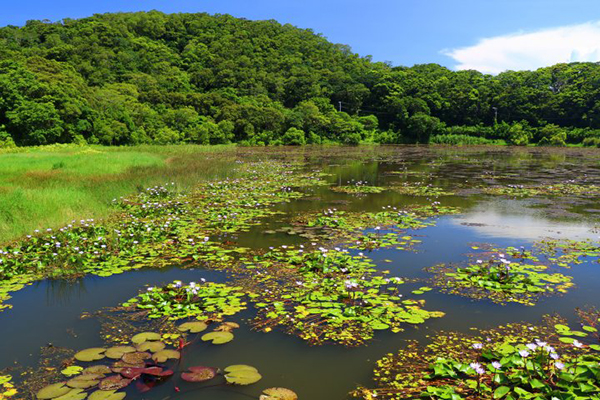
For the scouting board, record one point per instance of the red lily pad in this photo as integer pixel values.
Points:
(199, 374)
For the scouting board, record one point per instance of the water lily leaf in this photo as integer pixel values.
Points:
(218, 337)
(193, 327)
(72, 370)
(93, 354)
(75, 394)
(199, 374)
(114, 382)
(227, 327)
(135, 358)
(152, 347)
(278, 393)
(53, 391)
(85, 381)
(118, 351)
(133, 373)
(243, 376)
(240, 367)
(120, 365)
(165, 355)
(145, 337)
(97, 370)
(107, 395)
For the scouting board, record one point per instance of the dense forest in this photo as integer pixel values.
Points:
(132, 78)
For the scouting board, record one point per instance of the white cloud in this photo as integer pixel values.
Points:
(531, 50)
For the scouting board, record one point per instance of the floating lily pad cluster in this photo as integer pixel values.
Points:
(7, 389)
(559, 189)
(159, 227)
(565, 252)
(331, 296)
(203, 301)
(420, 189)
(502, 279)
(141, 362)
(516, 361)
(359, 187)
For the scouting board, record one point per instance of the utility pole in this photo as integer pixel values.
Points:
(340, 103)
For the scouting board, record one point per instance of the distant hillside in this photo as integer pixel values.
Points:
(131, 78)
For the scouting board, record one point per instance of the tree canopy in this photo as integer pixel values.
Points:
(149, 77)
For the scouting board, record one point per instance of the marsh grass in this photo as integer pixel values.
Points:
(45, 187)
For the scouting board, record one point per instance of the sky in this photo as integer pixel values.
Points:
(490, 36)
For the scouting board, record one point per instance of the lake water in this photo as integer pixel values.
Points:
(49, 311)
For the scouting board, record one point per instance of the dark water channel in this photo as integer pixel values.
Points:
(48, 312)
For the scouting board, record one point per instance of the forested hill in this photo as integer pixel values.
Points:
(132, 78)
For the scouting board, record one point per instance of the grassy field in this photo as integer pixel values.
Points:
(46, 187)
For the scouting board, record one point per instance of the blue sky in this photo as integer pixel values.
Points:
(488, 35)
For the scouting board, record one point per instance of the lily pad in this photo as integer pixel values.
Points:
(114, 382)
(226, 327)
(242, 375)
(97, 370)
(218, 337)
(135, 358)
(152, 347)
(75, 394)
(107, 395)
(199, 374)
(84, 381)
(93, 354)
(133, 373)
(72, 370)
(165, 355)
(145, 337)
(120, 365)
(118, 351)
(278, 393)
(53, 391)
(193, 327)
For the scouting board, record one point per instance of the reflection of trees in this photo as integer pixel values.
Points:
(63, 292)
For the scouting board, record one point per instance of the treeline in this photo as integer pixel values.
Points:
(132, 78)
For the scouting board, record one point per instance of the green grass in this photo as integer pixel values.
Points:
(46, 187)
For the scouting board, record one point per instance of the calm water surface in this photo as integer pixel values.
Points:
(49, 311)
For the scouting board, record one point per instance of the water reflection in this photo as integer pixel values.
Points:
(511, 219)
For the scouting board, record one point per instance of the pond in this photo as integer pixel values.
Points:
(465, 206)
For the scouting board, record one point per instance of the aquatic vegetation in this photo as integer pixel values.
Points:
(203, 301)
(7, 389)
(278, 393)
(242, 375)
(359, 187)
(500, 280)
(146, 370)
(514, 361)
(420, 189)
(558, 189)
(372, 241)
(158, 227)
(565, 252)
(331, 296)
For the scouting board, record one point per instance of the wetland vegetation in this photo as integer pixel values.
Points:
(372, 272)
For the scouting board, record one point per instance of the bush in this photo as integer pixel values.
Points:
(552, 135)
(294, 137)
(421, 126)
(464, 140)
(519, 134)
